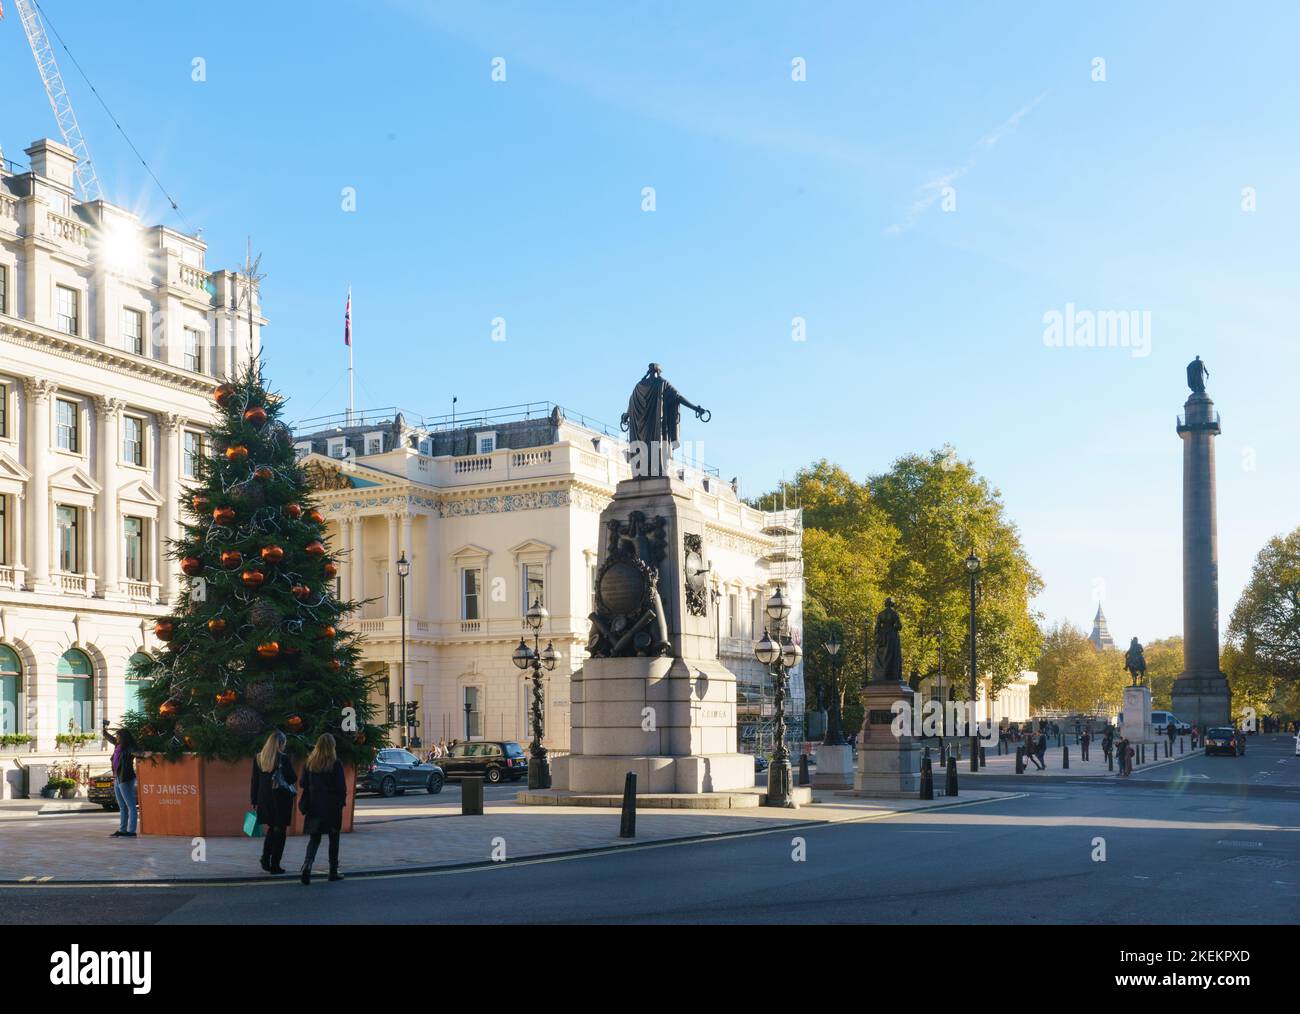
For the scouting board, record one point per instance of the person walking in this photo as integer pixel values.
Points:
(325, 792)
(1171, 730)
(271, 792)
(1126, 753)
(1042, 752)
(125, 752)
(1085, 738)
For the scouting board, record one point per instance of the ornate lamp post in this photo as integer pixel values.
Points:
(834, 729)
(403, 572)
(973, 569)
(524, 657)
(783, 655)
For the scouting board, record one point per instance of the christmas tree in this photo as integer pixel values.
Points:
(254, 641)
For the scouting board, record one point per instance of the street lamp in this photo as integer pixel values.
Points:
(782, 654)
(536, 657)
(973, 569)
(834, 731)
(403, 572)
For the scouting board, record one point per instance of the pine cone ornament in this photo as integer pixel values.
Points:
(244, 721)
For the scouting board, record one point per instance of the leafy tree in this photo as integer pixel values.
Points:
(943, 510)
(1265, 624)
(262, 648)
(1073, 675)
(1164, 664)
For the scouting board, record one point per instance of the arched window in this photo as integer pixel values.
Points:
(11, 690)
(76, 693)
(138, 668)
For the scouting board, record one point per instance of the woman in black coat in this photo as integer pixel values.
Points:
(325, 793)
(272, 792)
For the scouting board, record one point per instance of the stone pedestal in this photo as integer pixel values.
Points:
(669, 718)
(834, 767)
(1136, 726)
(888, 765)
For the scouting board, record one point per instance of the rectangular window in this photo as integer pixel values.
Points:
(193, 450)
(133, 530)
(471, 578)
(486, 445)
(4, 289)
(473, 712)
(4, 530)
(534, 585)
(374, 445)
(133, 331)
(66, 424)
(65, 309)
(733, 615)
(66, 523)
(4, 410)
(193, 350)
(132, 440)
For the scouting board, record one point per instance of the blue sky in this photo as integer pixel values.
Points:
(775, 199)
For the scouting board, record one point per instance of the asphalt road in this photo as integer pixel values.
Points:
(1183, 850)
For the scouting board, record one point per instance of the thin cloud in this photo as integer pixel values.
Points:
(931, 190)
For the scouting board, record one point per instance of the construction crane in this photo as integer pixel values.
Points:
(29, 14)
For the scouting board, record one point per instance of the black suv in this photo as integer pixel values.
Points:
(394, 771)
(496, 761)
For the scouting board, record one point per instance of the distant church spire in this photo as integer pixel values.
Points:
(1100, 636)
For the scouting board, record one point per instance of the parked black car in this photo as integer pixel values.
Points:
(494, 760)
(760, 763)
(1224, 739)
(395, 771)
(100, 790)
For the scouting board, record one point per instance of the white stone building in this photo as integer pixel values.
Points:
(492, 511)
(111, 335)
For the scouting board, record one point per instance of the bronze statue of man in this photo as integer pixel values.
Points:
(887, 661)
(653, 421)
(1197, 372)
(1135, 662)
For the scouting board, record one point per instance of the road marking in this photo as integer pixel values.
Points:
(1240, 844)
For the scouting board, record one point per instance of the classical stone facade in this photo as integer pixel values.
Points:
(111, 337)
(492, 513)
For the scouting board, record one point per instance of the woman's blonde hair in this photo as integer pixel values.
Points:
(323, 755)
(270, 750)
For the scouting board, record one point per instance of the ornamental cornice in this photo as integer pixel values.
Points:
(22, 333)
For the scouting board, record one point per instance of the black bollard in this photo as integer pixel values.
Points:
(627, 825)
(925, 755)
(1065, 758)
(471, 796)
(1110, 761)
(943, 753)
(803, 770)
(950, 789)
(1180, 744)
(1020, 760)
(927, 779)
(957, 749)
(982, 761)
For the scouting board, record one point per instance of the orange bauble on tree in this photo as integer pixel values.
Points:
(301, 592)
(292, 510)
(269, 650)
(191, 566)
(252, 578)
(314, 549)
(225, 698)
(263, 472)
(223, 394)
(216, 625)
(315, 517)
(272, 554)
(232, 558)
(255, 416)
(331, 569)
(236, 452)
(294, 723)
(164, 630)
(224, 516)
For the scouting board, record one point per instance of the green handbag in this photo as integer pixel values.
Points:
(251, 827)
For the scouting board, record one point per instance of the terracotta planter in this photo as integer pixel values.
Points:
(195, 797)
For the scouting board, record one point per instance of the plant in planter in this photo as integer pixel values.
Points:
(263, 647)
(15, 739)
(67, 787)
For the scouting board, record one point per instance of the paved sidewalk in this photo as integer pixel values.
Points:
(1094, 767)
(77, 848)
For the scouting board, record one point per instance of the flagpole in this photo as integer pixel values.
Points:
(351, 405)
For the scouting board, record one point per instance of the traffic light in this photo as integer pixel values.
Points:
(392, 713)
(412, 709)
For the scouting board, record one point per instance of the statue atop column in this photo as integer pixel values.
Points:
(1197, 372)
(887, 660)
(1135, 662)
(653, 420)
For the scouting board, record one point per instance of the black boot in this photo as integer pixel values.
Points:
(306, 874)
(277, 850)
(335, 874)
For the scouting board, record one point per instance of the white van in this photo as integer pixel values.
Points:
(1160, 722)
